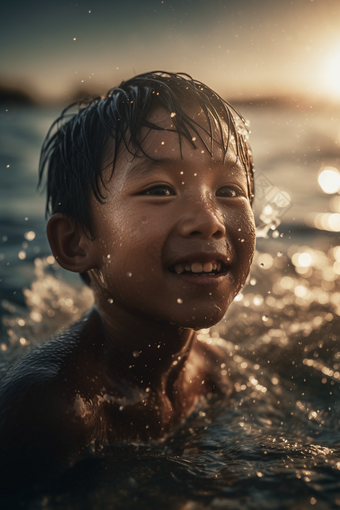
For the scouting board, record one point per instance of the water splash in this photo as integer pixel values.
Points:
(270, 219)
(52, 304)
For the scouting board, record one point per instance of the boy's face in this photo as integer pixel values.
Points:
(175, 238)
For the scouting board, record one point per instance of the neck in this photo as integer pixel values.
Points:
(151, 352)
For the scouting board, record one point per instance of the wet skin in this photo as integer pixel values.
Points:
(133, 367)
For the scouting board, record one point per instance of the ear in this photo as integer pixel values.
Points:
(69, 244)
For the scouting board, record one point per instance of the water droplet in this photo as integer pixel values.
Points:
(264, 318)
(279, 254)
(110, 300)
(275, 234)
(253, 281)
(179, 301)
(281, 235)
(129, 274)
(172, 114)
(262, 264)
(135, 354)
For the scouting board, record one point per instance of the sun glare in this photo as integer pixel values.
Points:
(331, 75)
(329, 179)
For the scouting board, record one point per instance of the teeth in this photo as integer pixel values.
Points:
(196, 267)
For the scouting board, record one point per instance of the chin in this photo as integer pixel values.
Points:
(203, 320)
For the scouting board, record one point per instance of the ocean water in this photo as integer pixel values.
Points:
(276, 443)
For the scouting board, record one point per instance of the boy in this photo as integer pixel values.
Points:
(150, 191)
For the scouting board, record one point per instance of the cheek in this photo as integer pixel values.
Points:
(245, 238)
(144, 237)
(241, 224)
(132, 243)
(243, 231)
(122, 229)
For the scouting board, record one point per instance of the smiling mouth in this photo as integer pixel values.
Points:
(199, 269)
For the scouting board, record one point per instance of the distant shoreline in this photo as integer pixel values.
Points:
(14, 95)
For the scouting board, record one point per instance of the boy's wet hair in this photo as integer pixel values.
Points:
(75, 150)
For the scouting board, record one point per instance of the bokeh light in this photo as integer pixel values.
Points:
(324, 221)
(305, 259)
(329, 179)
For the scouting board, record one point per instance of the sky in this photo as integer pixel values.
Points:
(240, 48)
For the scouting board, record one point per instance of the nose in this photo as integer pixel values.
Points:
(202, 219)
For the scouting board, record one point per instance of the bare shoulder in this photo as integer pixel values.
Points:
(31, 397)
(46, 408)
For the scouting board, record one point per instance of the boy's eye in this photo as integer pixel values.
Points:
(230, 192)
(160, 190)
